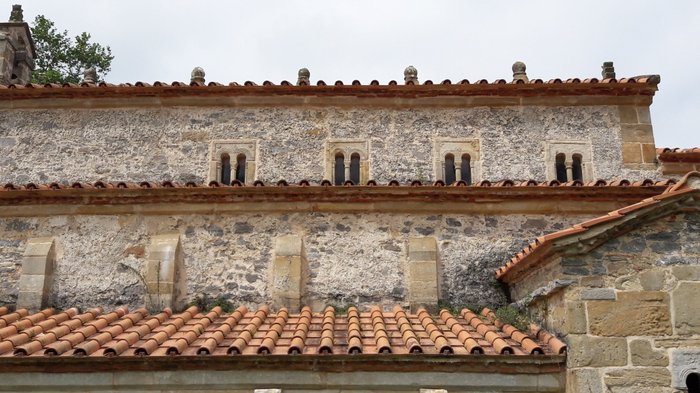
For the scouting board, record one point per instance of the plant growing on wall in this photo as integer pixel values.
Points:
(61, 59)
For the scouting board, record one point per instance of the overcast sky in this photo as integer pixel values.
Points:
(365, 40)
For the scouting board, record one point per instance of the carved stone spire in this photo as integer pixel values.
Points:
(16, 15)
(89, 75)
(197, 75)
(304, 77)
(410, 74)
(519, 72)
(608, 70)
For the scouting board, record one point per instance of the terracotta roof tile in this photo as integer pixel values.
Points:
(263, 332)
(673, 191)
(55, 186)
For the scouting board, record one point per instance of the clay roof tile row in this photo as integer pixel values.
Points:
(263, 332)
(326, 183)
(645, 79)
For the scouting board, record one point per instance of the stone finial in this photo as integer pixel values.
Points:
(197, 75)
(410, 74)
(608, 70)
(16, 14)
(304, 77)
(519, 72)
(89, 75)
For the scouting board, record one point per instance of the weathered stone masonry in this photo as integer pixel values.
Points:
(352, 258)
(173, 144)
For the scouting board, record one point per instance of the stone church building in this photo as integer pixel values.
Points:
(515, 235)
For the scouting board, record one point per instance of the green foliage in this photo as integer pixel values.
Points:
(456, 308)
(205, 303)
(60, 59)
(513, 316)
(341, 310)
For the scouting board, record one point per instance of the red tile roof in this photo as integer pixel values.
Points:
(644, 79)
(537, 250)
(327, 183)
(676, 154)
(243, 332)
(634, 86)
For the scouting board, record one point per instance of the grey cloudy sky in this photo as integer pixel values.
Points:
(365, 40)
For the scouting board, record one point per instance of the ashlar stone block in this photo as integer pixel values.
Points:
(646, 379)
(644, 355)
(635, 313)
(587, 351)
(686, 309)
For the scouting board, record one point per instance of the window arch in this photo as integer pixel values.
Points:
(465, 173)
(347, 160)
(450, 170)
(225, 174)
(355, 168)
(692, 382)
(560, 167)
(232, 160)
(240, 167)
(577, 167)
(339, 169)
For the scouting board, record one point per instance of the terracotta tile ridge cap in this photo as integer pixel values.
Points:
(470, 344)
(296, 346)
(690, 183)
(691, 180)
(381, 337)
(436, 336)
(275, 332)
(244, 337)
(325, 346)
(408, 335)
(650, 80)
(217, 336)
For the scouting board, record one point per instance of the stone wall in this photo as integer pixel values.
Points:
(356, 259)
(173, 143)
(632, 310)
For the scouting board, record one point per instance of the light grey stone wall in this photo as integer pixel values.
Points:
(356, 259)
(173, 143)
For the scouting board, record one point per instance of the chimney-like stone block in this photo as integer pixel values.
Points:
(288, 265)
(423, 271)
(37, 273)
(165, 273)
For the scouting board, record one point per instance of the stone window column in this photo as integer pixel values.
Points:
(569, 168)
(347, 169)
(37, 273)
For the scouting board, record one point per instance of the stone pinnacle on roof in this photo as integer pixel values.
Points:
(304, 76)
(89, 75)
(16, 14)
(519, 72)
(608, 70)
(197, 75)
(410, 75)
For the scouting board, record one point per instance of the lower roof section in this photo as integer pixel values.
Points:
(192, 350)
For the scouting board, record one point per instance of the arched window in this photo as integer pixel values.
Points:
(561, 167)
(450, 168)
(577, 168)
(240, 168)
(339, 170)
(355, 168)
(692, 382)
(466, 169)
(225, 169)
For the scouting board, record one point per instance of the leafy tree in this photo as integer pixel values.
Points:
(60, 59)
